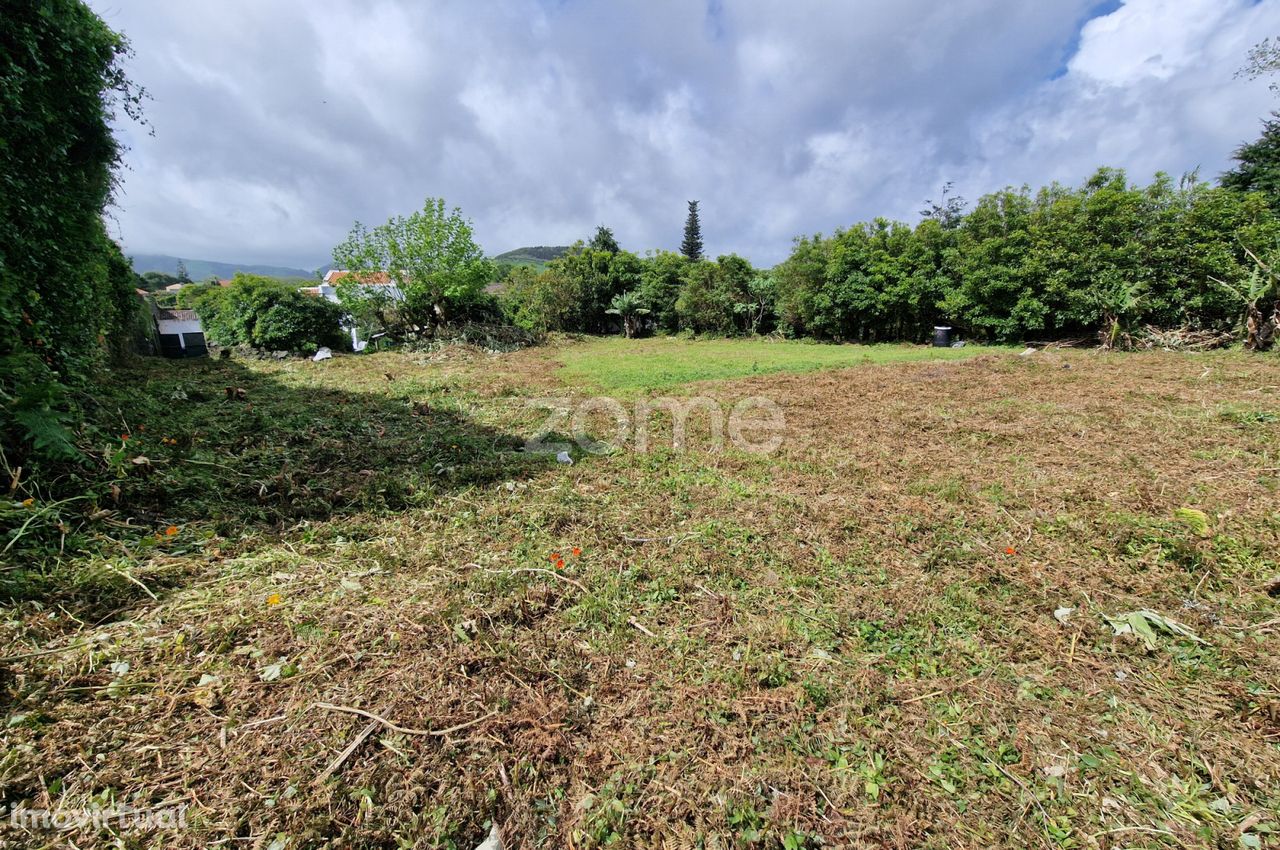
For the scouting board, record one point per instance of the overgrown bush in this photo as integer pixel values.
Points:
(266, 313)
(66, 292)
(1064, 262)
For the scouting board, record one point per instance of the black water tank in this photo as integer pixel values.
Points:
(941, 337)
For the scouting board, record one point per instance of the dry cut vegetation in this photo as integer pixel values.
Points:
(1000, 601)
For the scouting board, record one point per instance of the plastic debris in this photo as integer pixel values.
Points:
(563, 457)
(1063, 614)
(493, 842)
(323, 354)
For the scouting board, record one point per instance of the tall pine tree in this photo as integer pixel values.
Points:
(691, 247)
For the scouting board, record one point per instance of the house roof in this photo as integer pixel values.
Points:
(177, 315)
(332, 277)
(313, 291)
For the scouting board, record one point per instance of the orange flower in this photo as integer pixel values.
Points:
(171, 530)
(1009, 550)
(560, 564)
(555, 556)
(577, 550)
(124, 436)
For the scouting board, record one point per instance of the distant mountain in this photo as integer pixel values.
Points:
(537, 256)
(199, 270)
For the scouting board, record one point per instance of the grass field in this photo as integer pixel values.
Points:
(987, 601)
(663, 362)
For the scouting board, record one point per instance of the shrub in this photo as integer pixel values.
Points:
(266, 313)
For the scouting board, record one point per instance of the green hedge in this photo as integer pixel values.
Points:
(66, 291)
(266, 313)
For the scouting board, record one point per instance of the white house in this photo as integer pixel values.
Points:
(328, 290)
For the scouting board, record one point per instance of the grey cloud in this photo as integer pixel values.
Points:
(278, 124)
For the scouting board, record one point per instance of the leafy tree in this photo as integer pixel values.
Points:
(703, 306)
(373, 307)
(628, 307)
(546, 301)
(432, 258)
(1263, 60)
(597, 277)
(800, 281)
(691, 246)
(735, 280)
(994, 297)
(604, 241)
(183, 277)
(754, 304)
(1258, 168)
(948, 212)
(268, 314)
(661, 277)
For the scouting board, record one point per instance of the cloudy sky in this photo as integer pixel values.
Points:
(277, 123)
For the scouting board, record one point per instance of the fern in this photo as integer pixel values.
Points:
(34, 407)
(47, 432)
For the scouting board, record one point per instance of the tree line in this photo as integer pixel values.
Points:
(1099, 259)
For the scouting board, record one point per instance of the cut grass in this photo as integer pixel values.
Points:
(851, 642)
(617, 364)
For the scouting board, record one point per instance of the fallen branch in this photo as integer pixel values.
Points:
(244, 727)
(39, 652)
(563, 578)
(345, 754)
(633, 621)
(402, 730)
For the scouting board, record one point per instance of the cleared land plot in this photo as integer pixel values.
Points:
(852, 641)
(623, 365)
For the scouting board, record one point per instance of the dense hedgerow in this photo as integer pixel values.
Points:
(1060, 262)
(66, 292)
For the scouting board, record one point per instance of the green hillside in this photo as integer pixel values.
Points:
(536, 256)
(204, 269)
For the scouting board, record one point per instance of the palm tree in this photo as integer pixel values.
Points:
(628, 307)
